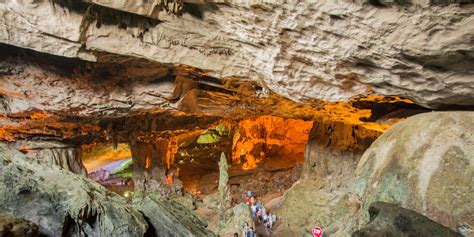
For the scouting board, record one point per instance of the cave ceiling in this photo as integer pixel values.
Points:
(83, 102)
(94, 71)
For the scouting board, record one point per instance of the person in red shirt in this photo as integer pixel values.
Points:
(169, 179)
(247, 200)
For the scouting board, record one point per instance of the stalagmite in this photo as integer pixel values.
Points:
(224, 192)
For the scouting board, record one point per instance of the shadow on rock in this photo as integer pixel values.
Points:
(387, 219)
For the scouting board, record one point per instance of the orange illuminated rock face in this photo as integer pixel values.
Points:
(173, 144)
(41, 123)
(269, 137)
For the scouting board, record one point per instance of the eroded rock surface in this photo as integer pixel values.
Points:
(387, 219)
(168, 218)
(325, 50)
(332, 153)
(236, 218)
(13, 226)
(62, 203)
(64, 156)
(423, 163)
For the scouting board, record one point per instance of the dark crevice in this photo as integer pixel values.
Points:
(61, 65)
(380, 109)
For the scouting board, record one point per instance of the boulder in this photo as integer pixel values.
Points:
(169, 218)
(14, 226)
(211, 201)
(387, 219)
(235, 219)
(425, 163)
(60, 202)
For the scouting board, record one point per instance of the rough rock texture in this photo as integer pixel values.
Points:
(224, 189)
(269, 138)
(62, 203)
(331, 155)
(168, 218)
(149, 167)
(333, 148)
(389, 220)
(426, 164)
(236, 217)
(49, 98)
(67, 157)
(323, 50)
(14, 226)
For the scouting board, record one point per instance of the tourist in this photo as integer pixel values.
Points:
(274, 219)
(247, 198)
(251, 233)
(269, 221)
(246, 228)
(236, 234)
(253, 208)
(264, 210)
(264, 217)
(252, 200)
(259, 214)
(169, 179)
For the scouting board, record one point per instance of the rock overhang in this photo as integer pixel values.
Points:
(403, 51)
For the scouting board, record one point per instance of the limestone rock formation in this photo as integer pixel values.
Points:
(425, 164)
(161, 75)
(60, 202)
(149, 171)
(387, 219)
(13, 226)
(331, 155)
(335, 147)
(65, 156)
(224, 190)
(168, 218)
(323, 50)
(237, 216)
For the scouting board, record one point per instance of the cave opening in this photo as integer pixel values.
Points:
(110, 165)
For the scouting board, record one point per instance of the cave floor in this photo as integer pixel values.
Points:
(272, 175)
(270, 200)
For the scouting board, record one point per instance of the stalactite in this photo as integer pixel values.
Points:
(68, 158)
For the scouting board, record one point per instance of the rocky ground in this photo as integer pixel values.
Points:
(62, 203)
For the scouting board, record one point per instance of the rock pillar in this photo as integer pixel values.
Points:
(224, 190)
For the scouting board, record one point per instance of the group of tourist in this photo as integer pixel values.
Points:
(248, 231)
(259, 211)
